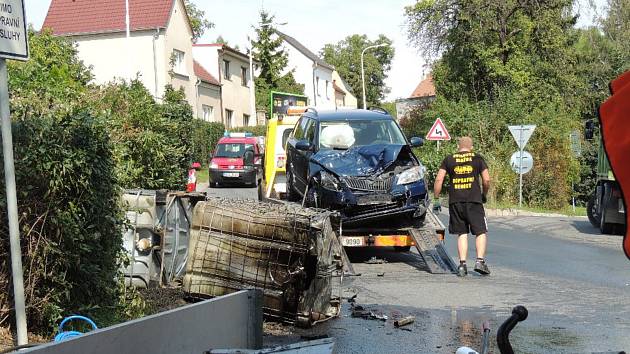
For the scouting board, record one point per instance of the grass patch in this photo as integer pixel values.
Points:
(202, 175)
(567, 210)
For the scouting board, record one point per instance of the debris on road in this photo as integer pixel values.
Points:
(361, 312)
(404, 321)
(287, 251)
(375, 260)
(319, 346)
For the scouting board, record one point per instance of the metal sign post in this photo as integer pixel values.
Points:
(13, 45)
(521, 134)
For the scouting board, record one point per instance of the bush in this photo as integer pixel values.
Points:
(548, 185)
(205, 136)
(68, 202)
(152, 141)
(258, 130)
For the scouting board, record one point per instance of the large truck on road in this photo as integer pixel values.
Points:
(605, 208)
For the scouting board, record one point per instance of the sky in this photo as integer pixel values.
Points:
(316, 23)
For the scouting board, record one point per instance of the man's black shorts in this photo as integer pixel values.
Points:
(467, 217)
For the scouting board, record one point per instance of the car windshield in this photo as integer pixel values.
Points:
(232, 150)
(346, 134)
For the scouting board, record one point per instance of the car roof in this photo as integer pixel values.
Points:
(239, 140)
(350, 114)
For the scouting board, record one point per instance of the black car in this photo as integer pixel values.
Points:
(358, 162)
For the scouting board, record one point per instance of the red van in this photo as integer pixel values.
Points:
(237, 159)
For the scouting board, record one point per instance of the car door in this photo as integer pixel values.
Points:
(309, 136)
(294, 156)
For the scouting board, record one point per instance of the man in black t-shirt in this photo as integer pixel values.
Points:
(465, 201)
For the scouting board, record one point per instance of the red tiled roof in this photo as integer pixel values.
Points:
(204, 75)
(424, 89)
(67, 17)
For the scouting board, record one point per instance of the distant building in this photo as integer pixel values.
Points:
(159, 49)
(208, 95)
(231, 67)
(424, 93)
(315, 74)
(344, 97)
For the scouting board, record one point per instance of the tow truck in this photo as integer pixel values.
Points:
(427, 236)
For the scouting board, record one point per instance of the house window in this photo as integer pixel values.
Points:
(226, 69)
(208, 113)
(319, 92)
(244, 76)
(246, 120)
(228, 118)
(179, 64)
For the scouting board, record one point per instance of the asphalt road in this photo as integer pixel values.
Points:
(574, 282)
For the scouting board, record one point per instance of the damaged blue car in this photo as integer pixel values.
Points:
(360, 163)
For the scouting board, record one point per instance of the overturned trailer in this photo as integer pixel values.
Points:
(291, 253)
(156, 235)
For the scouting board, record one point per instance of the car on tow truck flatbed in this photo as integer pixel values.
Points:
(360, 163)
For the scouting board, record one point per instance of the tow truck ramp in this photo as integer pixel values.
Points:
(430, 246)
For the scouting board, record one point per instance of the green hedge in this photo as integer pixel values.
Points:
(258, 130)
(205, 136)
(69, 212)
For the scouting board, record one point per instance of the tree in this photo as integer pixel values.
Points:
(198, 21)
(345, 56)
(268, 51)
(497, 63)
(488, 45)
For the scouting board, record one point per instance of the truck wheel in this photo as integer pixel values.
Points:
(591, 211)
(604, 227)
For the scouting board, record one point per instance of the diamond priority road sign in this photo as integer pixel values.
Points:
(13, 35)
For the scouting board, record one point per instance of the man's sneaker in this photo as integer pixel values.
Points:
(462, 271)
(481, 267)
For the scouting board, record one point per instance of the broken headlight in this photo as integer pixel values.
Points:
(411, 175)
(329, 181)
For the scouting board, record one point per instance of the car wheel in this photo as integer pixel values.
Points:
(591, 212)
(261, 193)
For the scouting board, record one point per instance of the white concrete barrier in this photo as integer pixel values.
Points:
(230, 321)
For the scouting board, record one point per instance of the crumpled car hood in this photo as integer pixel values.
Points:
(357, 161)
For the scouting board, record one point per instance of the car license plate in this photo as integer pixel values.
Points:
(352, 241)
(230, 174)
(373, 199)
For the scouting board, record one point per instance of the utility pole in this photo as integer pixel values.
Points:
(363, 71)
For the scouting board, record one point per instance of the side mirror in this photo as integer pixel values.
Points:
(589, 129)
(416, 142)
(303, 145)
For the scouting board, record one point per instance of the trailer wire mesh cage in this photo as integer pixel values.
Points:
(290, 252)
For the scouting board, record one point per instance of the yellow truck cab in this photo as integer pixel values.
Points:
(278, 130)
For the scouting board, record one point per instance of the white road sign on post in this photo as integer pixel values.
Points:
(13, 45)
(521, 134)
(438, 132)
(13, 41)
(522, 165)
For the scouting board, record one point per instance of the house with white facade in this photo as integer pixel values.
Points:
(310, 70)
(158, 49)
(344, 97)
(232, 69)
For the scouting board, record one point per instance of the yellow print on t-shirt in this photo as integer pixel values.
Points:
(463, 170)
(464, 157)
(462, 186)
